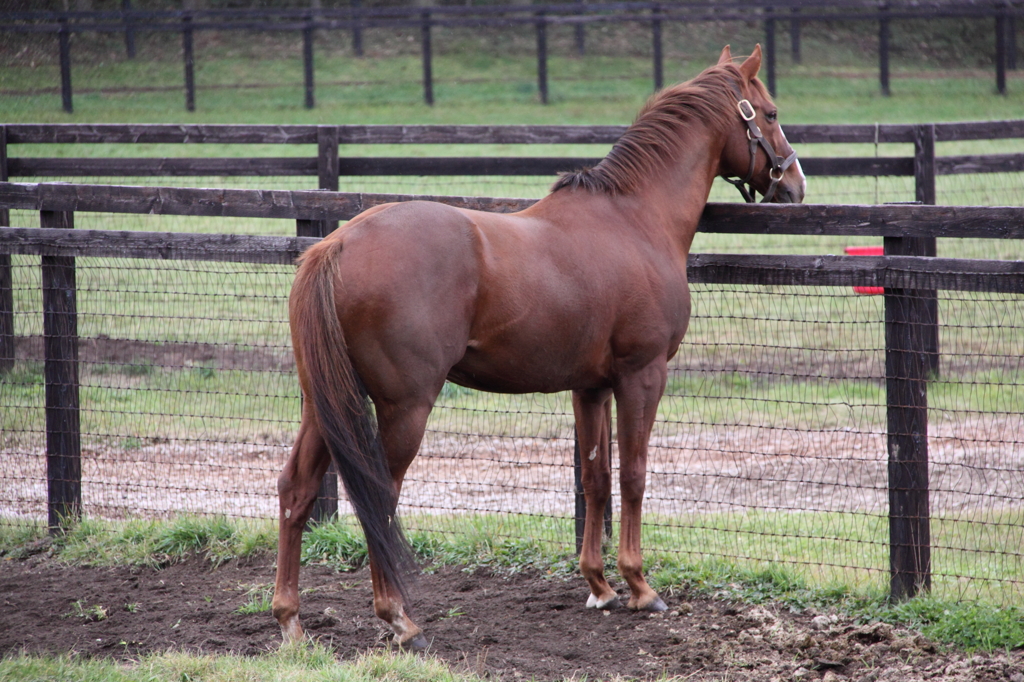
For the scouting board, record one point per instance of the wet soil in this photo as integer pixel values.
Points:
(500, 625)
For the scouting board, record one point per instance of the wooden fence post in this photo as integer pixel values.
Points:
(924, 184)
(911, 359)
(769, 49)
(542, 57)
(6, 277)
(189, 57)
(1000, 21)
(60, 343)
(659, 62)
(307, 62)
(428, 70)
(906, 383)
(326, 506)
(327, 168)
(1011, 42)
(357, 29)
(581, 32)
(794, 36)
(64, 39)
(129, 30)
(883, 49)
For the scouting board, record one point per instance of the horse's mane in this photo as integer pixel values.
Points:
(648, 144)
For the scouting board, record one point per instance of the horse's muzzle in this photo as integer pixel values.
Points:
(786, 194)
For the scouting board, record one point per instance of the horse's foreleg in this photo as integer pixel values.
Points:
(401, 431)
(636, 398)
(593, 412)
(296, 488)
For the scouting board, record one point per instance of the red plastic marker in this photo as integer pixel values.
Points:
(866, 251)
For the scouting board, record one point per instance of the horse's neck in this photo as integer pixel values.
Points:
(675, 197)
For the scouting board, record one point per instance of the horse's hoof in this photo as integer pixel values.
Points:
(416, 644)
(609, 604)
(656, 606)
(291, 631)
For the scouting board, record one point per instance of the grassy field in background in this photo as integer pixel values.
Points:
(153, 403)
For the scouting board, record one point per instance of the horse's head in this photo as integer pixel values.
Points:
(757, 150)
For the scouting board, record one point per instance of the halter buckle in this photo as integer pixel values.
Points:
(744, 112)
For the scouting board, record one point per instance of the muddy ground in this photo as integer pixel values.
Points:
(505, 626)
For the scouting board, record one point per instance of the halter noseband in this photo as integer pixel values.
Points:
(757, 139)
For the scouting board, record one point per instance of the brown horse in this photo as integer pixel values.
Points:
(585, 291)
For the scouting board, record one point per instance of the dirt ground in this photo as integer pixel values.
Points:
(524, 625)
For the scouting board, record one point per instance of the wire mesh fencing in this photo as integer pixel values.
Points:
(770, 447)
(188, 394)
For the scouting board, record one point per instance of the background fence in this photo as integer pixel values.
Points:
(969, 163)
(793, 430)
(308, 22)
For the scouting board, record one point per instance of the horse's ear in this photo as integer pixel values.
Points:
(726, 56)
(752, 64)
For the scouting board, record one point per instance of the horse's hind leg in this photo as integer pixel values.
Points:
(296, 487)
(401, 430)
(636, 398)
(593, 415)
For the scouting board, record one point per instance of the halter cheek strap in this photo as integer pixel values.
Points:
(757, 139)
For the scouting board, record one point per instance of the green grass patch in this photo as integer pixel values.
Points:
(305, 663)
(89, 614)
(507, 543)
(258, 599)
(157, 543)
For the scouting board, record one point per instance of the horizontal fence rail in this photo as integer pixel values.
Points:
(884, 221)
(447, 165)
(307, 21)
(909, 281)
(328, 166)
(906, 272)
(162, 133)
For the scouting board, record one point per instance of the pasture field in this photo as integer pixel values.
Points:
(196, 412)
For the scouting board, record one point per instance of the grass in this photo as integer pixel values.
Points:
(258, 600)
(153, 543)
(252, 407)
(305, 663)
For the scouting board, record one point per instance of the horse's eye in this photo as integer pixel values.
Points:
(772, 116)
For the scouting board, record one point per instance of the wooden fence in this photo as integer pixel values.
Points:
(306, 21)
(327, 165)
(904, 277)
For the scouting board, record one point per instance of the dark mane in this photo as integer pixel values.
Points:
(650, 142)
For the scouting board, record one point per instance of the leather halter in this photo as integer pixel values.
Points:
(757, 139)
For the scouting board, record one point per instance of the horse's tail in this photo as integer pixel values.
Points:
(343, 411)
